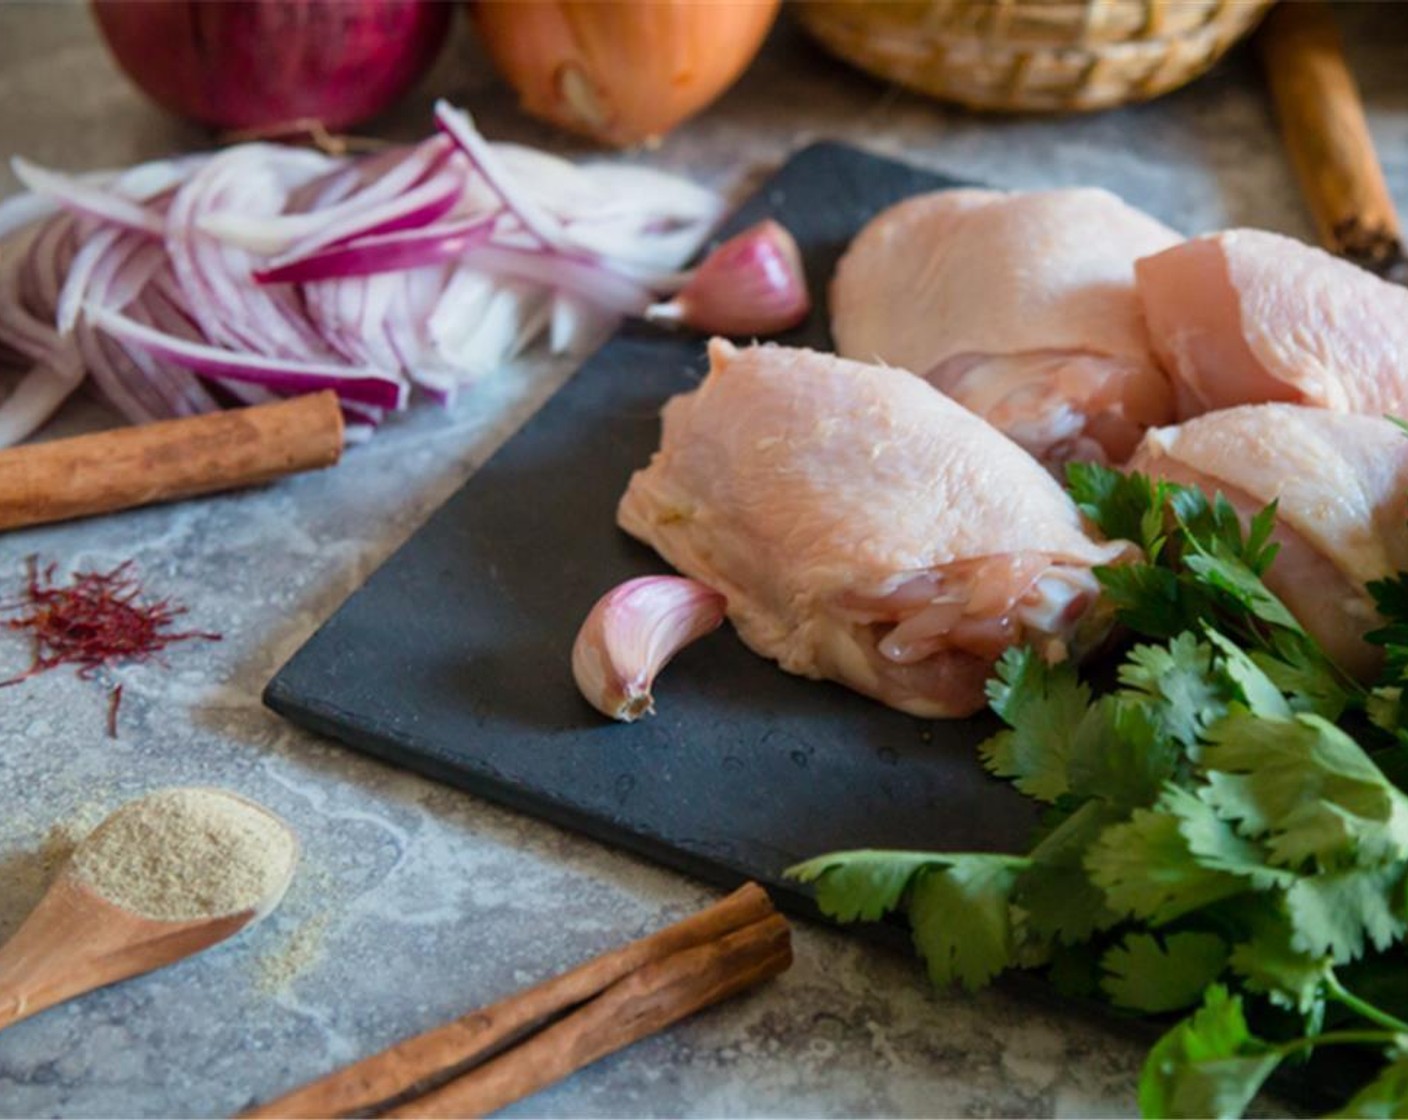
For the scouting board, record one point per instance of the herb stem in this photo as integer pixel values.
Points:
(1362, 1007)
(1337, 1038)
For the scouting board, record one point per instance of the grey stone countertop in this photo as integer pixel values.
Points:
(416, 902)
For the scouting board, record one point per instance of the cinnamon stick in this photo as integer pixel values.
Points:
(1326, 134)
(649, 1000)
(127, 467)
(419, 1063)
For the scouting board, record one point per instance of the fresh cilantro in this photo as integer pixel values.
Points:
(1121, 753)
(1336, 912)
(1127, 507)
(961, 915)
(1391, 598)
(1214, 844)
(1228, 823)
(1271, 966)
(861, 886)
(1255, 689)
(1308, 788)
(1144, 973)
(1147, 599)
(1057, 897)
(1210, 1064)
(1147, 870)
(1043, 705)
(959, 906)
(1177, 681)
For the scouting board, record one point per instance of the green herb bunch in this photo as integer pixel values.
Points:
(1224, 835)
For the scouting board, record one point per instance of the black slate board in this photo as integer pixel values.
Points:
(453, 659)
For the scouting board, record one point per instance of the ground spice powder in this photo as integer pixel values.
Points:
(185, 854)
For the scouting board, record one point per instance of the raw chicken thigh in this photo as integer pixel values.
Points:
(1249, 316)
(864, 528)
(1020, 307)
(1341, 483)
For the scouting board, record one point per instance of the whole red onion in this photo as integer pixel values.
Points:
(252, 64)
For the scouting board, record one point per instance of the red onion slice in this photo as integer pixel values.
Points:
(362, 386)
(590, 280)
(459, 126)
(86, 199)
(418, 207)
(388, 252)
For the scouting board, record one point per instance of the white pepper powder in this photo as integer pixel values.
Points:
(185, 854)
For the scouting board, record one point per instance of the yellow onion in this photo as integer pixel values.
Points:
(626, 71)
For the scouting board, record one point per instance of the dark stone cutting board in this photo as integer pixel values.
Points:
(453, 659)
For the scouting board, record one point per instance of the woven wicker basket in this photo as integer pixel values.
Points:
(1024, 55)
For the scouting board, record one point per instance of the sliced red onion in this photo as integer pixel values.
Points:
(430, 265)
(418, 207)
(23, 210)
(388, 252)
(112, 373)
(46, 264)
(86, 199)
(20, 329)
(459, 126)
(214, 277)
(577, 328)
(75, 289)
(590, 280)
(33, 401)
(362, 386)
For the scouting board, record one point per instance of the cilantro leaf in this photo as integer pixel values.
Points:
(1058, 900)
(1075, 970)
(1147, 599)
(1229, 575)
(1255, 688)
(1121, 753)
(1147, 870)
(1335, 912)
(1391, 597)
(863, 885)
(1384, 1098)
(1178, 682)
(961, 916)
(1210, 1064)
(1269, 964)
(958, 905)
(1144, 974)
(1212, 527)
(1213, 842)
(1043, 705)
(1123, 506)
(1307, 787)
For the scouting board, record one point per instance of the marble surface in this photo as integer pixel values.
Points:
(416, 902)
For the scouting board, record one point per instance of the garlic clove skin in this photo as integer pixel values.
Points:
(753, 284)
(631, 634)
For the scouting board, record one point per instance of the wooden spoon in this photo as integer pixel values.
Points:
(76, 940)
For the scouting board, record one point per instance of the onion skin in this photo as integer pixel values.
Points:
(624, 72)
(232, 64)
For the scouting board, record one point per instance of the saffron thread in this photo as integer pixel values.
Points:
(96, 621)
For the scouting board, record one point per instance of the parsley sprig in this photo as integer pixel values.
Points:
(1225, 835)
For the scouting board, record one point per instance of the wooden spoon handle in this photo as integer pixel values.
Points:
(74, 942)
(1326, 134)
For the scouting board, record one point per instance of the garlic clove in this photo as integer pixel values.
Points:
(631, 634)
(752, 284)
